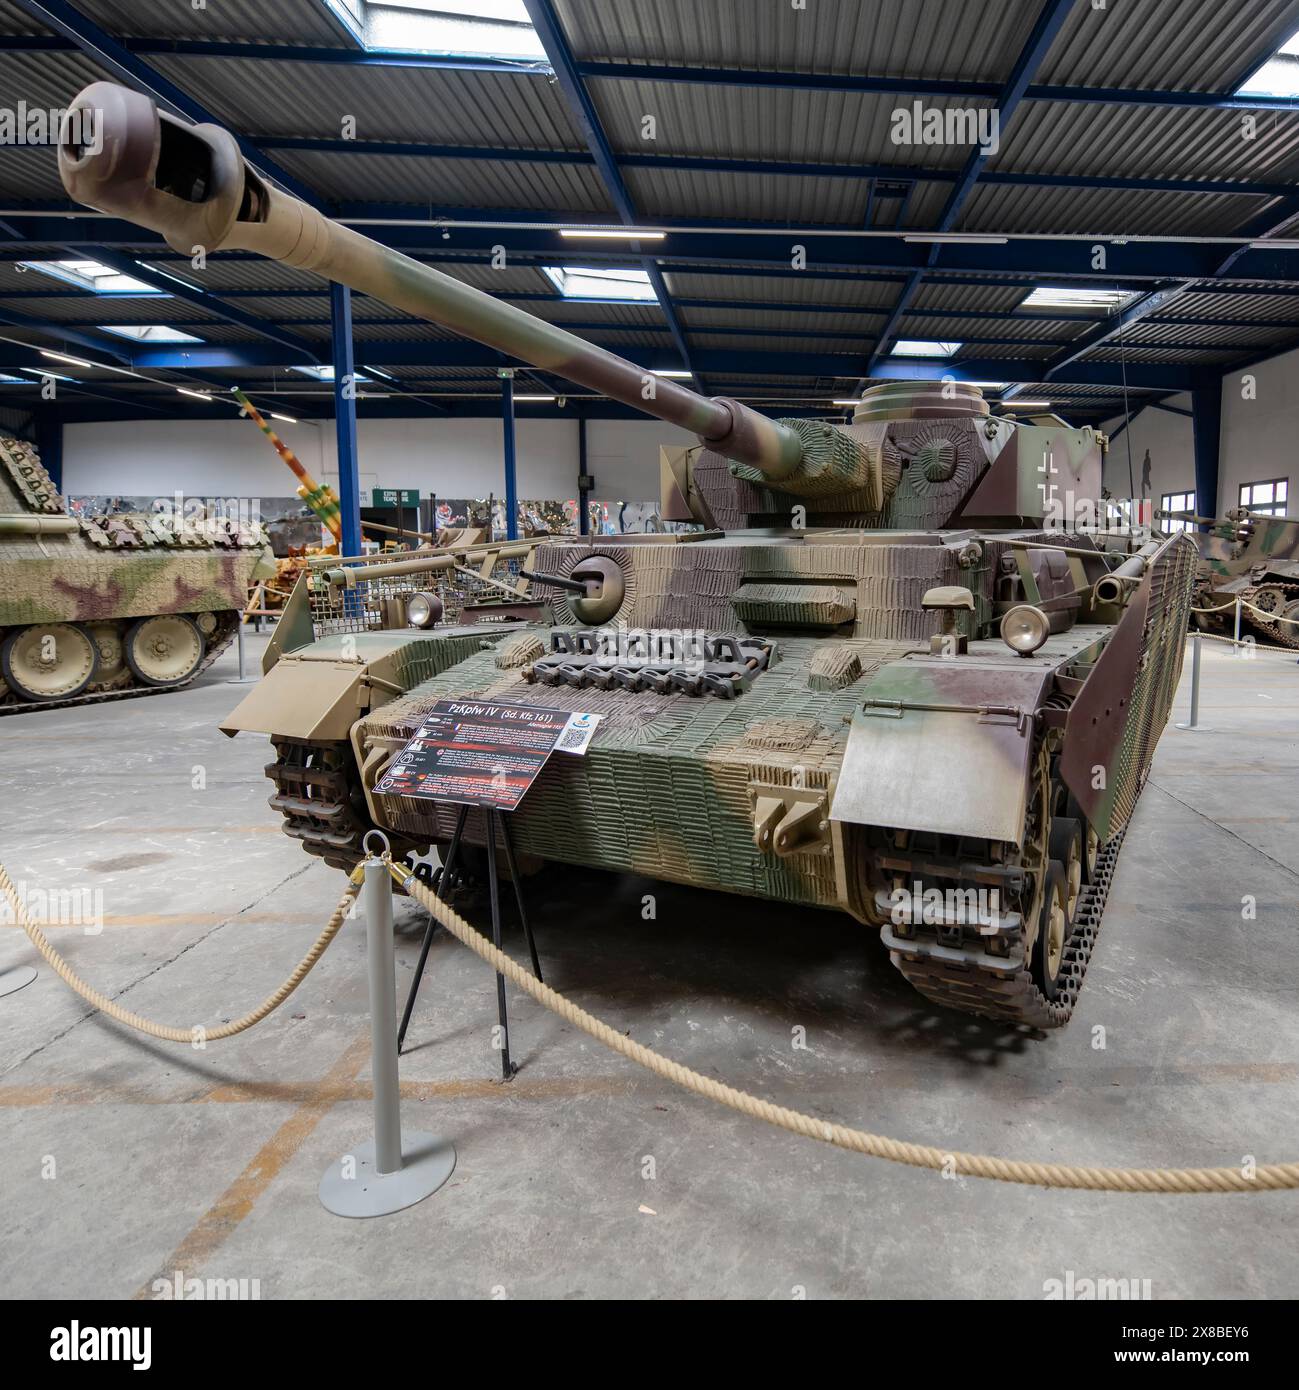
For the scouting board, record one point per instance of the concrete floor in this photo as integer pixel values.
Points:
(127, 1160)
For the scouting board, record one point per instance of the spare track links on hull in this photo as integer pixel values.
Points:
(317, 794)
(977, 985)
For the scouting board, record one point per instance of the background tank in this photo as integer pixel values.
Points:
(1255, 558)
(95, 607)
(871, 681)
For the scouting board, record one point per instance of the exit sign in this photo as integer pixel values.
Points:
(394, 497)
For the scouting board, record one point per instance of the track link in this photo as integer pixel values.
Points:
(968, 978)
(1284, 633)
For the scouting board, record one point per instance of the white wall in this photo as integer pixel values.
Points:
(454, 458)
(1168, 439)
(1259, 439)
(1260, 436)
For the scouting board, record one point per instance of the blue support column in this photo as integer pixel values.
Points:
(511, 457)
(1206, 430)
(583, 490)
(349, 475)
(49, 444)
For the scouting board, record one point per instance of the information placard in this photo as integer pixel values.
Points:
(483, 753)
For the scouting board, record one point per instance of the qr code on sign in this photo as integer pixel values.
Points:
(574, 738)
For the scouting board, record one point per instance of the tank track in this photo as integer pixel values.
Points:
(966, 977)
(317, 794)
(1284, 633)
(11, 704)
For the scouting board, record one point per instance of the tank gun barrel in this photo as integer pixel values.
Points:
(192, 186)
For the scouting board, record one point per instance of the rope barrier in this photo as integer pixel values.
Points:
(1266, 1177)
(165, 1031)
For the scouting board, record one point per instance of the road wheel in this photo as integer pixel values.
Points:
(1067, 850)
(49, 661)
(111, 670)
(163, 651)
(1091, 844)
(1053, 931)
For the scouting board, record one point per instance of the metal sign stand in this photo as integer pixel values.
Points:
(496, 820)
(384, 1174)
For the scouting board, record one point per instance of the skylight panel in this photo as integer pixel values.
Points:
(93, 277)
(468, 28)
(1278, 77)
(149, 333)
(923, 347)
(326, 373)
(619, 285)
(1065, 297)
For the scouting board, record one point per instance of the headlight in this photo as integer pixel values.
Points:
(423, 610)
(1025, 628)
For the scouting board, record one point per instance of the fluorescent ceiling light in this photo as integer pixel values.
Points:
(470, 28)
(534, 398)
(1274, 244)
(852, 402)
(7, 380)
(288, 419)
(198, 395)
(1278, 77)
(374, 371)
(325, 373)
(93, 277)
(579, 282)
(63, 357)
(956, 238)
(42, 373)
(923, 347)
(675, 375)
(1017, 404)
(167, 275)
(609, 235)
(1064, 297)
(149, 333)
(987, 385)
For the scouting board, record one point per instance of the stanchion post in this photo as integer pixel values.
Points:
(1236, 635)
(385, 1174)
(1193, 724)
(243, 678)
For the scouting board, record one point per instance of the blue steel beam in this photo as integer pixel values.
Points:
(661, 72)
(68, 22)
(511, 456)
(582, 109)
(1049, 22)
(349, 473)
(1206, 432)
(511, 154)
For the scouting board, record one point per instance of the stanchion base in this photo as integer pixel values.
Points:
(242, 680)
(1195, 728)
(11, 981)
(427, 1162)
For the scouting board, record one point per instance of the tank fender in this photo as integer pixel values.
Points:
(943, 745)
(300, 698)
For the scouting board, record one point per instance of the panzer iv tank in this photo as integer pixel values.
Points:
(98, 607)
(901, 694)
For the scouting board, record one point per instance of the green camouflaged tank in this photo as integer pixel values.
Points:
(1255, 558)
(100, 606)
(883, 675)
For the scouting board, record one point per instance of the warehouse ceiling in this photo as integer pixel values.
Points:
(1127, 163)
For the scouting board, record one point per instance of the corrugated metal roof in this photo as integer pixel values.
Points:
(661, 194)
(435, 185)
(1084, 211)
(1195, 45)
(940, 38)
(293, 21)
(438, 106)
